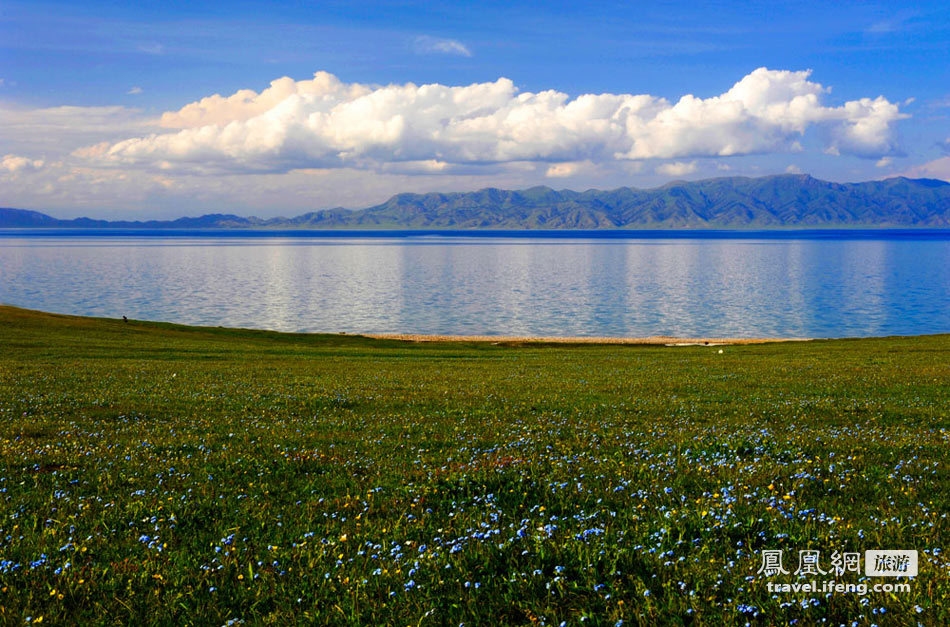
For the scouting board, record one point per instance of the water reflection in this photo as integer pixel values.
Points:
(726, 287)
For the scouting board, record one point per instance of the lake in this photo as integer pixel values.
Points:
(631, 283)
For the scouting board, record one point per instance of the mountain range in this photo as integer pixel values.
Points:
(789, 200)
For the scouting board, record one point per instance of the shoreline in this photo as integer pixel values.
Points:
(658, 340)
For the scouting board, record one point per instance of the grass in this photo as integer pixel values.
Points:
(160, 474)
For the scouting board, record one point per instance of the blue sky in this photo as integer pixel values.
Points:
(85, 85)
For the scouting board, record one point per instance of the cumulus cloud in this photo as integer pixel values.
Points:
(425, 44)
(793, 169)
(323, 92)
(677, 168)
(570, 168)
(16, 163)
(326, 123)
(135, 91)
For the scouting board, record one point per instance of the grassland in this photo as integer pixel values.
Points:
(159, 474)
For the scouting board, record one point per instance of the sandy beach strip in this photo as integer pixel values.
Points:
(522, 339)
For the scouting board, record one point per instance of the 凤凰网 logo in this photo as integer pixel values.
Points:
(877, 563)
(809, 563)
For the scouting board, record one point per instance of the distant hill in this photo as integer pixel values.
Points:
(734, 202)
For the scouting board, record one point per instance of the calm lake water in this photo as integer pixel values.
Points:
(819, 284)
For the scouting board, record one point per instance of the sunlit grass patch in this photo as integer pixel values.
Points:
(171, 475)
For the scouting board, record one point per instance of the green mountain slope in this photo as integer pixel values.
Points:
(734, 202)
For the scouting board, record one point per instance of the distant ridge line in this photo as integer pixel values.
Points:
(788, 200)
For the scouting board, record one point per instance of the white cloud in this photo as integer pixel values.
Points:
(136, 90)
(53, 130)
(677, 168)
(883, 162)
(425, 44)
(793, 169)
(16, 163)
(569, 168)
(866, 128)
(936, 169)
(324, 90)
(325, 123)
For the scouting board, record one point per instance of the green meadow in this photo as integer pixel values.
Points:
(160, 474)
